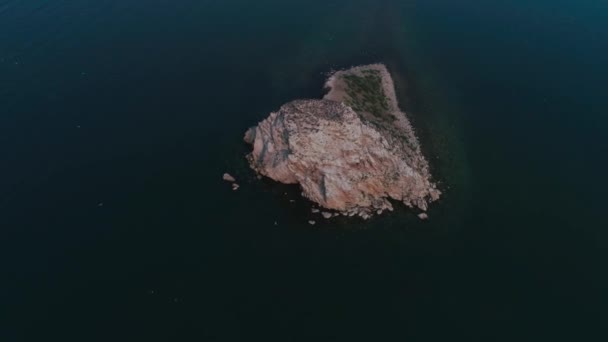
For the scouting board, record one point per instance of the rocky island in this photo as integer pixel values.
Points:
(351, 151)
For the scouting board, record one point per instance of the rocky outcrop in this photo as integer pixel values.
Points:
(228, 178)
(351, 151)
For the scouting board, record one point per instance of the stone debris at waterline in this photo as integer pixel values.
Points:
(351, 151)
(228, 178)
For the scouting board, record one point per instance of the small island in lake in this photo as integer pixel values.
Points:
(351, 151)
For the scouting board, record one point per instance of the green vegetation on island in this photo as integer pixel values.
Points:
(366, 93)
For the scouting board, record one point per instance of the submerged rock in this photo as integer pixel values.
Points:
(351, 151)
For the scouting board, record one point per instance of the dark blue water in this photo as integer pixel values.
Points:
(118, 118)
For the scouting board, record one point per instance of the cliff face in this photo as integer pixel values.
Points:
(344, 159)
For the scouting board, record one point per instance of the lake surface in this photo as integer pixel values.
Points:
(118, 119)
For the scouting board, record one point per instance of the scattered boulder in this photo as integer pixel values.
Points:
(423, 216)
(228, 178)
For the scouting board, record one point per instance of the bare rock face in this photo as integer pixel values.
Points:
(346, 160)
(228, 178)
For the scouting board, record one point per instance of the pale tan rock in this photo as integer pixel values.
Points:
(326, 215)
(348, 161)
(423, 216)
(250, 135)
(227, 177)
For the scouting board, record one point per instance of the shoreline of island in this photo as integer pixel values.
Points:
(350, 151)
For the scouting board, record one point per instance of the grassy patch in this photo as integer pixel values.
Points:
(365, 92)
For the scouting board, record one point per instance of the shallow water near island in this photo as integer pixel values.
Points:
(118, 119)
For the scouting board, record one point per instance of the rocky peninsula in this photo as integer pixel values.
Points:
(351, 151)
